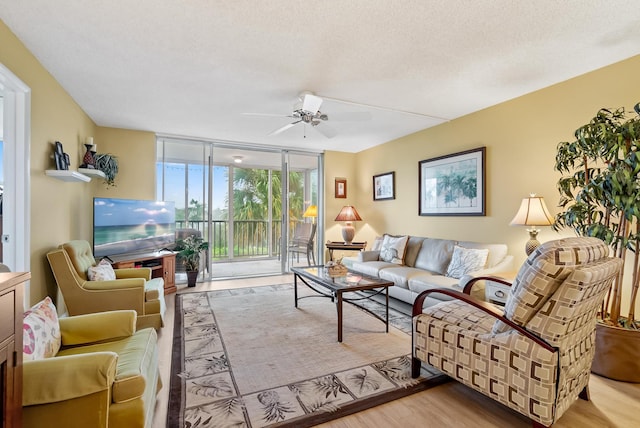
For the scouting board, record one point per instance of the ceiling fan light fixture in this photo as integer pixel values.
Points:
(307, 111)
(311, 103)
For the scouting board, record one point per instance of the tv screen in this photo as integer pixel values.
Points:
(122, 226)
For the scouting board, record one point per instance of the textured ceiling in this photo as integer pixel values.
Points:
(192, 68)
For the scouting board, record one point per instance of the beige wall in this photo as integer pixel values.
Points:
(57, 208)
(521, 138)
(136, 154)
(343, 166)
(61, 211)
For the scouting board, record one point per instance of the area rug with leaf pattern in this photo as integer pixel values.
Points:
(248, 357)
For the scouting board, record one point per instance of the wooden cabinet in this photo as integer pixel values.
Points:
(169, 274)
(162, 265)
(11, 310)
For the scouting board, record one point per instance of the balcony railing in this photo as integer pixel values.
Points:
(250, 237)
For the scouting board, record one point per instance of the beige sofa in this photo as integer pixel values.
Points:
(427, 263)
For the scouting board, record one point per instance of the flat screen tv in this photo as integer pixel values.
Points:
(125, 226)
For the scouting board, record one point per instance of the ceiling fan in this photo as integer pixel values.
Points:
(307, 111)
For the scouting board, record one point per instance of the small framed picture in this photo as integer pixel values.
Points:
(384, 186)
(341, 188)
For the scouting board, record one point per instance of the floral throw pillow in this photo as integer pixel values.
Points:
(103, 271)
(466, 260)
(40, 331)
(393, 249)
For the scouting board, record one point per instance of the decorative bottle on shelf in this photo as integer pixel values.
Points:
(88, 161)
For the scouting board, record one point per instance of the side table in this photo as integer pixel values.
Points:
(337, 245)
(496, 292)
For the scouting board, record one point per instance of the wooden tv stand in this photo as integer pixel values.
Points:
(161, 263)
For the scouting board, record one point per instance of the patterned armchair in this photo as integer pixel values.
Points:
(536, 357)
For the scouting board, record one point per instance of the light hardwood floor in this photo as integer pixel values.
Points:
(613, 404)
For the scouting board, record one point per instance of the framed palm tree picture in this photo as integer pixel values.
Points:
(453, 185)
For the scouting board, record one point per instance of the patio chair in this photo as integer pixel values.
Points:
(302, 242)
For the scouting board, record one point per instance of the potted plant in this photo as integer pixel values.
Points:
(189, 250)
(600, 197)
(109, 165)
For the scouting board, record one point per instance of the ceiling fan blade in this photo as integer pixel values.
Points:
(352, 116)
(284, 128)
(311, 103)
(325, 130)
(267, 115)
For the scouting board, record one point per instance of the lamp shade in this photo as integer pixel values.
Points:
(312, 211)
(348, 213)
(532, 212)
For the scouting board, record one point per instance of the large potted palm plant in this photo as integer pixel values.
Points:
(600, 197)
(189, 252)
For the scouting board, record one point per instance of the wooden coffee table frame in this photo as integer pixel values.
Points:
(334, 288)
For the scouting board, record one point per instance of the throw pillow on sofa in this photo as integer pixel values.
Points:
(103, 271)
(40, 331)
(393, 249)
(466, 260)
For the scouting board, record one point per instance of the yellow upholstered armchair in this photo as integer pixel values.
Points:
(535, 356)
(131, 288)
(92, 370)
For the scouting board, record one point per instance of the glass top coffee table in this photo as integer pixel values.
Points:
(319, 280)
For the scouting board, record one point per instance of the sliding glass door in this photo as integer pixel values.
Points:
(233, 196)
(302, 209)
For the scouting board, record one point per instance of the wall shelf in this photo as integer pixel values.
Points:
(91, 172)
(67, 175)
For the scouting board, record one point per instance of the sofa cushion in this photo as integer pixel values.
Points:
(400, 275)
(377, 243)
(497, 252)
(103, 271)
(40, 331)
(137, 355)
(393, 249)
(153, 289)
(413, 248)
(368, 256)
(466, 260)
(371, 268)
(435, 255)
(419, 283)
(79, 252)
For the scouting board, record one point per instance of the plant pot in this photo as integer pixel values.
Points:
(617, 353)
(192, 276)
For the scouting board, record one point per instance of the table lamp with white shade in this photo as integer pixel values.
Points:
(533, 212)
